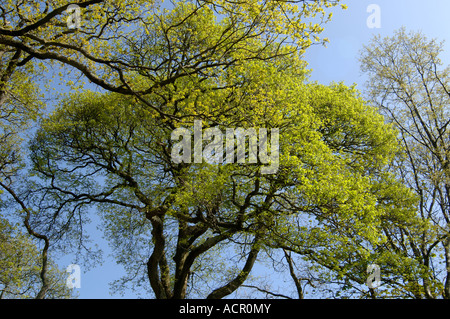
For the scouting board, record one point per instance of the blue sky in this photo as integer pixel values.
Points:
(347, 32)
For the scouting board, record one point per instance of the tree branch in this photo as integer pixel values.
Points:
(43, 274)
(234, 284)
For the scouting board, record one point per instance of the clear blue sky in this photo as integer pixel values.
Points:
(347, 32)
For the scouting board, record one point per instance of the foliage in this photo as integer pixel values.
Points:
(408, 84)
(21, 266)
(338, 201)
(328, 201)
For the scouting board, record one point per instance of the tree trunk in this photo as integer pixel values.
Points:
(156, 257)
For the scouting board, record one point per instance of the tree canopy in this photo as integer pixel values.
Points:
(114, 151)
(20, 263)
(411, 88)
(292, 174)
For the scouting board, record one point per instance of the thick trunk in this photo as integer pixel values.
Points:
(181, 276)
(157, 256)
(188, 260)
(45, 285)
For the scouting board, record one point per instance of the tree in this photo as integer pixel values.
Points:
(408, 84)
(108, 54)
(20, 105)
(21, 266)
(105, 50)
(173, 223)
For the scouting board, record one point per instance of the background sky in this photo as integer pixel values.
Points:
(348, 32)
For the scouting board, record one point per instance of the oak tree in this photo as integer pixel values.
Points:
(175, 225)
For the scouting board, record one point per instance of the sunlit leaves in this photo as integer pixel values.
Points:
(230, 66)
(409, 85)
(20, 267)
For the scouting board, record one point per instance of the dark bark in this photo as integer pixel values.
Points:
(240, 278)
(184, 272)
(160, 287)
(43, 273)
(297, 281)
(46, 19)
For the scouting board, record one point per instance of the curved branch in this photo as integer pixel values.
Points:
(43, 274)
(234, 284)
(44, 20)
